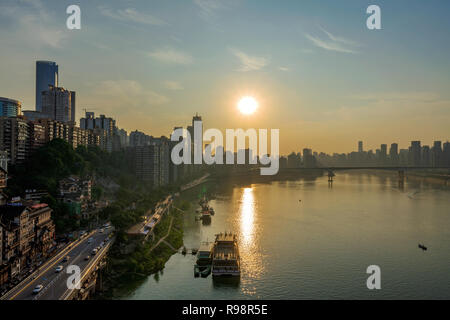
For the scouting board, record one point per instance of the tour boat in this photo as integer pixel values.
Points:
(225, 256)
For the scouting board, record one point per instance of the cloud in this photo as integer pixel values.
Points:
(386, 107)
(249, 63)
(131, 15)
(208, 8)
(172, 85)
(333, 43)
(171, 56)
(130, 93)
(32, 24)
(283, 68)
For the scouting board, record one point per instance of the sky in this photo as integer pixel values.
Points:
(319, 74)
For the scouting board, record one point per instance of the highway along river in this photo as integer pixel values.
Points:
(302, 239)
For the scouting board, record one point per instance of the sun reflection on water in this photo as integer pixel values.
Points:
(247, 216)
(251, 256)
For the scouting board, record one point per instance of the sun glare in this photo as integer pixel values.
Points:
(247, 105)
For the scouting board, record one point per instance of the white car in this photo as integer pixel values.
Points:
(38, 289)
(59, 269)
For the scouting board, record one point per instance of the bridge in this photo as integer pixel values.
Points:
(54, 284)
(400, 169)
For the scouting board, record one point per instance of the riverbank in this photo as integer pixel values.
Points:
(125, 271)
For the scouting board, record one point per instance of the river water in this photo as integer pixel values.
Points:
(305, 239)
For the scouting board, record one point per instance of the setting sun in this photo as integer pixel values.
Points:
(247, 105)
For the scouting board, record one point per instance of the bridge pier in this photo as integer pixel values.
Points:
(330, 177)
(401, 178)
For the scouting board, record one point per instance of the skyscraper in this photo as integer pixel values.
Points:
(393, 153)
(360, 147)
(446, 154)
(383, 153)
(57, 104)
(415, 153)
(436, 154)
(46, 74)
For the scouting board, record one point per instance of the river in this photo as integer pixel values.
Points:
(305, 239)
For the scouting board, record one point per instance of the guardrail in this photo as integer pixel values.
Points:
(66, 295)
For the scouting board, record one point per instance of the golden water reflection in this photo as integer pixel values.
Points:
(247, 216)
(252, 265)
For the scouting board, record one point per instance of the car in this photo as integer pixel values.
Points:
(38, 289)
(87, 258)
(101, 230)
(90, 240)
(94, 252)
(66, 258)
(59, 269)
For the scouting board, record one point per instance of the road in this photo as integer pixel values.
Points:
(55, 283)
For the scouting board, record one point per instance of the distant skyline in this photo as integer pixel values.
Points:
(319, 75)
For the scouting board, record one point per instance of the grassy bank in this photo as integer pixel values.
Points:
(126, 271)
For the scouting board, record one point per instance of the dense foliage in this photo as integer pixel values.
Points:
(57, 160)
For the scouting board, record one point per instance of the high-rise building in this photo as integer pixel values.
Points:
(446, 154)
(10, 107)
(105, 127)
(72, 108)
(308, 158)
(57, 104)
(36, 135)
(436, 154)
(14, 138)
(139, 139)
(415, 153)
(426, 156)
(88, 122)
(383, 153)
(123, 136)
(360, 147)
(152, 162)
(393, 153)
(46, 74)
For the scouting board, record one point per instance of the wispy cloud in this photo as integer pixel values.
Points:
(333, 43)
(131, 15)
(171, 56)
(172, 85)
(249, 63)
(208, 8)
(129, 92)
(32, 24)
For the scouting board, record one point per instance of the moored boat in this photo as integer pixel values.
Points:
(204, 254)
(225, 256)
